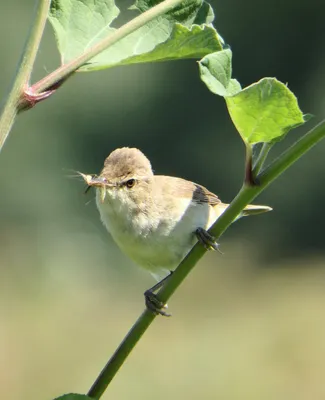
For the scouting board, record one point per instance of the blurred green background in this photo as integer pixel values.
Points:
(248, 324)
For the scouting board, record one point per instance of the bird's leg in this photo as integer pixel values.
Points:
(207, 240)
(152, 302)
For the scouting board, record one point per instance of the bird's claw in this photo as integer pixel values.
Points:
(154, 305)
(207, 240)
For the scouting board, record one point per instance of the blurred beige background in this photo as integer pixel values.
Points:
(248, 324)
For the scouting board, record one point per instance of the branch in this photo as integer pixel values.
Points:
(11, 106)
(120, 355)
(244, 197)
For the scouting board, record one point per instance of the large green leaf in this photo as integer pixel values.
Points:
(264, 111)
(215, 72)
(184, 32)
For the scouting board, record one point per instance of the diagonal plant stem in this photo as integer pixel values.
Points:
(120, 355)
(245, 196)
(11, 105)
(67, 69)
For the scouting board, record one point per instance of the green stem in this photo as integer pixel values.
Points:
(67, 69)
(11, 106)
(258, 165)
(121, 353)
(245, 196)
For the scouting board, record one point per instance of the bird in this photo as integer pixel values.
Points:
(155, 219)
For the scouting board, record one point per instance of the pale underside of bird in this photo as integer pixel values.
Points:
(154, 219)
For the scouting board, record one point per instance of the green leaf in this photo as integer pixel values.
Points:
(73, 396)
(205, 15)
(216, 71)
(264, 111)
(184, 32)
(78, 25)
(185, 13)
(183, 43)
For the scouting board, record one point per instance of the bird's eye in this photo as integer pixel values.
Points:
(130, 183)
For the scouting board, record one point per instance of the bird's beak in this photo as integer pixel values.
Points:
(96, 181)
(92, 180)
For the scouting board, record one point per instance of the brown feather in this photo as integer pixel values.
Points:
(186, 189)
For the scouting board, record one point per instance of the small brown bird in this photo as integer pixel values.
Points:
(155, 219)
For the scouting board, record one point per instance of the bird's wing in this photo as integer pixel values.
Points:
(186, 189)
(203, 195)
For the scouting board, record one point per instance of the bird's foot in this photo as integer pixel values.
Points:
(207, 240)
(154, 305)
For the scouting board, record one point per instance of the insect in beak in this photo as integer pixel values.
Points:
(93, 180)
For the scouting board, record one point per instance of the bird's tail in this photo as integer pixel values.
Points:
(251, 209)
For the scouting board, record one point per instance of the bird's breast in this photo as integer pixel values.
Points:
(159, 238)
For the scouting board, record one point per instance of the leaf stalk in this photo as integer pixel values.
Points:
(261, 158)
